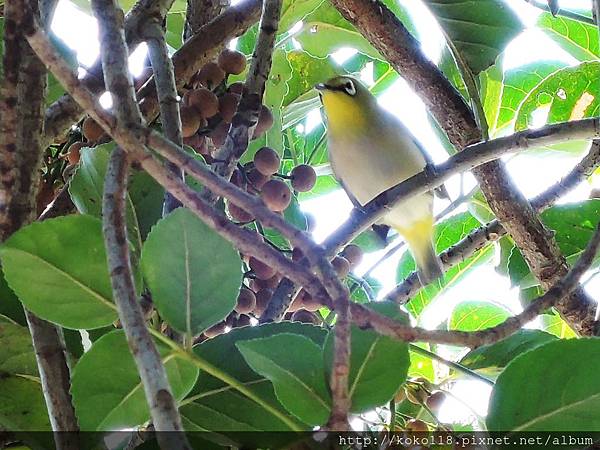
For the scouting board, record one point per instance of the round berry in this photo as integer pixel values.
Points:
(304, 178)
(232, 61)
(203, 101)
(267, 161)
(246, 301)
(261, 270)
(276, 195)
(91, 130)
(211, 75)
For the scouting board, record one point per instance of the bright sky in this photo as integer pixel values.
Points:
(79, 31)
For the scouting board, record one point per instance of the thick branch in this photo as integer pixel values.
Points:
(167, 96)
(22, 117)
(163, 407)
(199, 12)
(11, 61)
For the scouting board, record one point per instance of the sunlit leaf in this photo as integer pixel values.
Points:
(478, 29)
(577, 38)
(477, 315)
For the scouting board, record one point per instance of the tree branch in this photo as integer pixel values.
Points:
(163, 407)
(388, 35)
(167, 96)
(245, 118)
(493, 231)
(11, 62)
(200, 12)
(22, 127)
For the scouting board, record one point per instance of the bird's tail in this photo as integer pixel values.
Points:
(419, 239)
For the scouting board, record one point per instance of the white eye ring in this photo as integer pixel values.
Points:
(349, 88)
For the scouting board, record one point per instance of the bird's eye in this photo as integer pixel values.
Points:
(349, 88)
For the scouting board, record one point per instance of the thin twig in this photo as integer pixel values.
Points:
(163, 407)
(246, 117)
(452, 364)
(167, 96)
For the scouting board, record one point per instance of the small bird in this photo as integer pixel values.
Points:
(370, 150)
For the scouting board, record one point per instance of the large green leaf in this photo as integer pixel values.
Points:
(214, 405)
(573, 225)
(570, 93)
(87, 186)
(193, 273)
(306, 72)
(555, 325)
(447, 233)
(325, 30)
(22, 405)
(577, 38)
(518, 82)
(475, 316)
(147, 197)
(16, 350)
(106, 387)
(478, 29)
(499, 354)
(58, 270)
(378, 364)
(293, 11)
(554, 387)
(298, 376)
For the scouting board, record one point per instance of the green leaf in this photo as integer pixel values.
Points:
(16, 351)
(293, 11)
(106, 387)
(579, 39)
(568, 399)
(518, 83)
(421, 365)
(87, 186)
(491, 82)
(325, 30)
(193, 273)
(306, 72)
(10, 306)
(147, 197)
(479, 207)
(573, 225)
(174, 30)
(478, 29)
(450, 69)
(500, 354)
(475, 316)
(378, 364)
(58, 270)
(554, 324)
(22, 405)
(298, 376)
(447, 233)
(570, 93)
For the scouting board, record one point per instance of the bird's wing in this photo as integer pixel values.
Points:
(441, 190)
